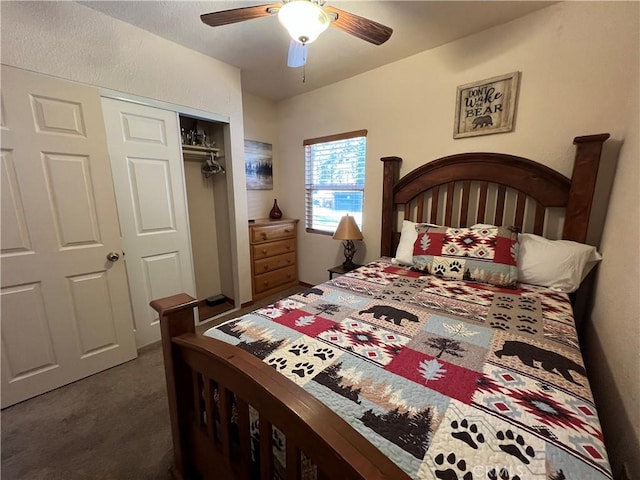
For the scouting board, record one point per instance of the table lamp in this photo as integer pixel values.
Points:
(348, 231)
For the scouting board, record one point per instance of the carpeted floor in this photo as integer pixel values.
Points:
(111, 426)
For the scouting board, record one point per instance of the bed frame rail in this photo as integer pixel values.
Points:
(208, 384)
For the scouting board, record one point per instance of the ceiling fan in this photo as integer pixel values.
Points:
(305, 20)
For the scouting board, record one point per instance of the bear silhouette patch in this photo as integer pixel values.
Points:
(390, 314)
(550, 361)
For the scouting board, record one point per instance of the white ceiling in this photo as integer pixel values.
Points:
(259, 46)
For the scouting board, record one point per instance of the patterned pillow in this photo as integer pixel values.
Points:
(485, 254)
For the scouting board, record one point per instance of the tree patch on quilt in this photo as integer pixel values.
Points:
(232, 329)
(327, 309)
(444, 345)
(261, 348)
(410, 431)
(330, 377)
(549, 360)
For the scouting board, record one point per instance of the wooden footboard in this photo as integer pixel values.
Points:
(209, 382)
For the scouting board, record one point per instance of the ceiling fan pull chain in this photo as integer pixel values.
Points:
(304, 73)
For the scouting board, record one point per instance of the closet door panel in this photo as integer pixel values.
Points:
(148, 177)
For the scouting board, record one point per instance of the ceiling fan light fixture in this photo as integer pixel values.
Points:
(305, 20)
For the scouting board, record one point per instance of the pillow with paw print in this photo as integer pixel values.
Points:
(484, 254)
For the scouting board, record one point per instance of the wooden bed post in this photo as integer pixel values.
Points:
(583, 183)
(176, 318)
(390, 175)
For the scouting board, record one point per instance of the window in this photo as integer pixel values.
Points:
(334, 179)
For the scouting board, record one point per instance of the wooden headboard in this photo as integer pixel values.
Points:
(467, 188)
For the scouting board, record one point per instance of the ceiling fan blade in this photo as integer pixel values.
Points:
(235, 15)
(372, 32)
(297, 54)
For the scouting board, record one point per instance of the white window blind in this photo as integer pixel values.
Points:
(335, 167)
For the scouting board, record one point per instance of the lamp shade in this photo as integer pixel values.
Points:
(304, 20)
(347, 229)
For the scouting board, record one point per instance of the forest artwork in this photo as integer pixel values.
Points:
(487, 106)
(258, 164)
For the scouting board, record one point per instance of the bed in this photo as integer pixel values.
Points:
(390, 372)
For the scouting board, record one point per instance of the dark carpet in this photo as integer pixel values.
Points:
(112, 425)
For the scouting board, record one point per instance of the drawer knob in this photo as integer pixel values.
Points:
(288, 247)
(287, 230)
(266, 267)
(263, 235)
(289, 261)
(264, 250)
(289, 275)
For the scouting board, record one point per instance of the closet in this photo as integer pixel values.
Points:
(173, 208)
(208, 210)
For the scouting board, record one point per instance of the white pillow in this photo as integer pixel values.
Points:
(560, 265)
(408, 236)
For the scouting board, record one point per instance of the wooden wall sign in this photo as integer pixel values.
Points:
(487, 106)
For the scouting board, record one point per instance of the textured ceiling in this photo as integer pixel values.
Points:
(259, 47)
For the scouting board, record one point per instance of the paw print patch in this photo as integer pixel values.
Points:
(503, 474)
(467, 432)
(514, 445)
(451, 468)
(303, 359)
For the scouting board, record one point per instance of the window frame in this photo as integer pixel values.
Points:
(326, 139)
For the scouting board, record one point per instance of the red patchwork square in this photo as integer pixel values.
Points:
(504, 250)
(305, 322)
(449, 379)
(429, 243)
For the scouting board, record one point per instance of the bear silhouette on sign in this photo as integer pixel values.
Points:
(484, 121)
(548, 360)
(391, 314)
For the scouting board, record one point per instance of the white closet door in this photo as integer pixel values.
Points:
(148, 176)
(66, 311)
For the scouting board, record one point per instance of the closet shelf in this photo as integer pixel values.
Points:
(199, 149)
(199, 152)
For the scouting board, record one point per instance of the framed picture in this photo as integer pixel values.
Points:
(258, 165)
(487, 106)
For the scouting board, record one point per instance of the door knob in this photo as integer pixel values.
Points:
(113, 256)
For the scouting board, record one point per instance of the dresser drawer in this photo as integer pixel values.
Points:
(273, 248)
(270, 264)
(268, 233)
(267, 281)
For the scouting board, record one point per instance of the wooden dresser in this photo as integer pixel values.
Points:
(274, 258)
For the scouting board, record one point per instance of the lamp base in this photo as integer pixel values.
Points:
(348, 265)
(349, 252)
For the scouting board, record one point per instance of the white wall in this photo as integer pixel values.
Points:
(579, 64)
(613, 336)
(74, 42)
(261, 125)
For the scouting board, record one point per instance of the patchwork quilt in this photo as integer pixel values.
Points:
(452, 380)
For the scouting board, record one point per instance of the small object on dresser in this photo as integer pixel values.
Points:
(275, 213)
